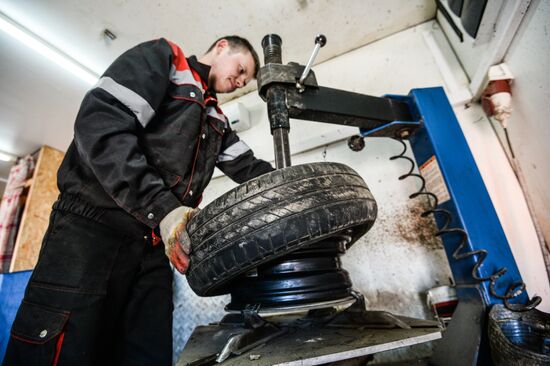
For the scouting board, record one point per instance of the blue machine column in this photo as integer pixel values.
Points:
(470, 205)
(479, 254)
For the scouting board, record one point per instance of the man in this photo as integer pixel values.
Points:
(147, 139)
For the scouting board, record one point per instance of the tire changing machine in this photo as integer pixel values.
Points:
(287, 320)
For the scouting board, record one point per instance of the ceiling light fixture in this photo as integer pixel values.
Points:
(7, 157)
(47, 50)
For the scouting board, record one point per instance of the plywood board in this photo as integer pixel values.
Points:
(34, 222)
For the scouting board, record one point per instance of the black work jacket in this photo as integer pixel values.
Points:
(149, 134)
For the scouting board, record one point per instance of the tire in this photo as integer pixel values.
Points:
(273, 215)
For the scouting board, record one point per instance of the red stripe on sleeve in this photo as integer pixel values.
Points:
(179, 58)
(180, 63)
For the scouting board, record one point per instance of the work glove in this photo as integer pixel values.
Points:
(173, 231)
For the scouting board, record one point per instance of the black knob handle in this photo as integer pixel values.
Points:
(321, 39)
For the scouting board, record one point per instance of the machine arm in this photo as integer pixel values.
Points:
(328, 105)
(291, 91)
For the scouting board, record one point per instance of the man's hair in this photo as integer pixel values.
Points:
(241, 44)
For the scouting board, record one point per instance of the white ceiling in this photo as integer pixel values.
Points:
(39, 100)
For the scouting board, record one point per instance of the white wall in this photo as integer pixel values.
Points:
(5, 167)
(508, 199)
(529, 126)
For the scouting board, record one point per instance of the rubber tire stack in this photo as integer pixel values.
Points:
(273, 215)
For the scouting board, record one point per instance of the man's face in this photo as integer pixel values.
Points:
(230, 69)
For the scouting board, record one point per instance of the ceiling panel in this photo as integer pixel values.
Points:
(38, 100)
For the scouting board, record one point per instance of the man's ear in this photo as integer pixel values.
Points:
(221, 45)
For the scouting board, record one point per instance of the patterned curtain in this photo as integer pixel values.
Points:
(11, 209)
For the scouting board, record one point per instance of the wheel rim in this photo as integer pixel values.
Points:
(309, 275)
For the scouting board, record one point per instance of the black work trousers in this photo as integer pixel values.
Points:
(100, 294)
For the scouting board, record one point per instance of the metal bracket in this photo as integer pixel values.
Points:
(283, 74)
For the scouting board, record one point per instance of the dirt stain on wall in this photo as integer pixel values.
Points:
(407, 223)
(417, 229)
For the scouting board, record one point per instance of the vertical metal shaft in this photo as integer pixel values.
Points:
(277, 110)
(281, 147)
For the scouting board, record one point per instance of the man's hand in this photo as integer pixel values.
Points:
(173, 230)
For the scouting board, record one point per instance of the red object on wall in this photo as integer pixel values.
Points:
(495, 86)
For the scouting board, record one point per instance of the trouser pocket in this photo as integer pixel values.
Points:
(36, 336)
(77, 255)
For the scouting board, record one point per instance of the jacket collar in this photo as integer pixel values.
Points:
(201, 68)
(203, 71)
